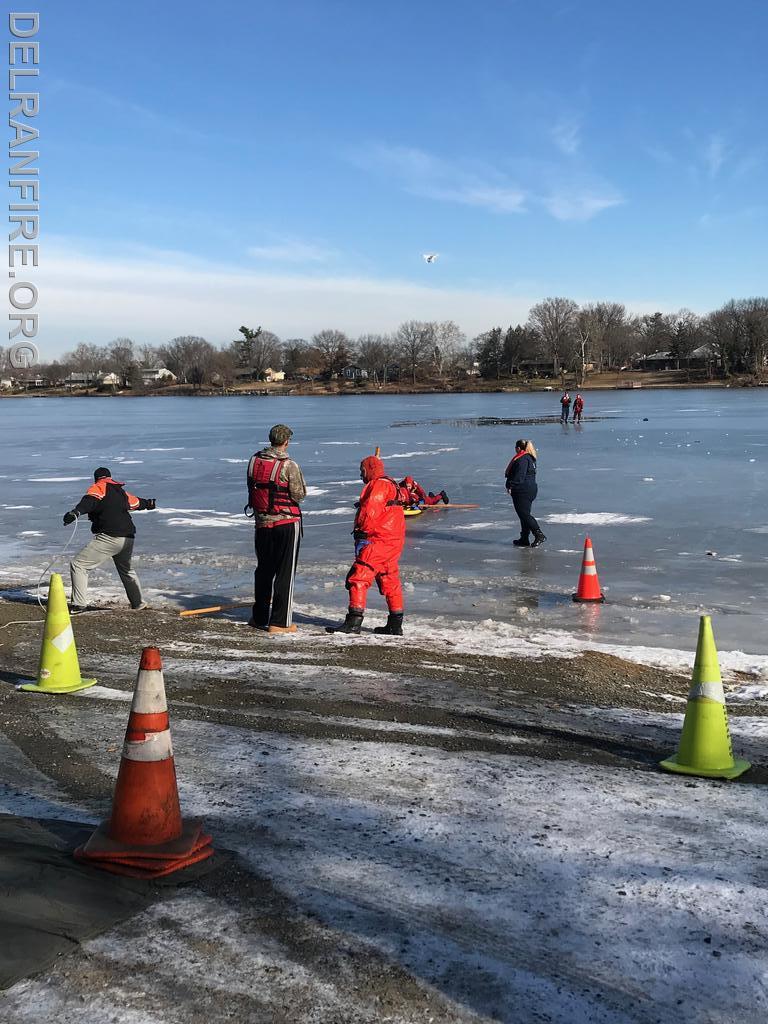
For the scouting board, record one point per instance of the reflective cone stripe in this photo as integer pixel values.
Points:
(146, 836)
(588, 588)
(705, 742)
(59, 668)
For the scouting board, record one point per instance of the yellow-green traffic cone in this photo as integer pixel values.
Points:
(59, 669)
(705, 744)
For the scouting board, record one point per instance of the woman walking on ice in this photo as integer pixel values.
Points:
(521, 484)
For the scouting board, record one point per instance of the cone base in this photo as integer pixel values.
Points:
(737, 768)
(102, 846)
(589, 600)
(67, 688)
(136, 865)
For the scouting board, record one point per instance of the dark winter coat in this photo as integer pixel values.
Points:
(521, 475)
(108, 507)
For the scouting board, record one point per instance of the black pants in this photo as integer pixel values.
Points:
(277, 555)
(528, 524)
(564, 413)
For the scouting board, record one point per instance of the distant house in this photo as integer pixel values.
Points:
(7, 383)
(112, 380)
(657, 361)
(158, 375)
(537, 368)
(354, 373)
(273, 376)
(81, 380)
(704, 356)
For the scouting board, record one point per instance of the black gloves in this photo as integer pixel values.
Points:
(151, 504)
(70, 517)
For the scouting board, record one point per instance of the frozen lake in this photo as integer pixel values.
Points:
(656, 495)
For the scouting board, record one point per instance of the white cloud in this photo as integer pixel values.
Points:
(577, 205)
(714, 154)
(291, 251)
(566, 135)
(577, 195)
(88, 293)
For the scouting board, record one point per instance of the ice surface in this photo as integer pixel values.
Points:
(648, 540)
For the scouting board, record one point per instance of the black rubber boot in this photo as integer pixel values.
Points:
(394, 626)
(538, 540)
(520, 543)
(445, 497)
(352, 623)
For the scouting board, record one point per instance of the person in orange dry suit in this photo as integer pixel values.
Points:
(379, 533)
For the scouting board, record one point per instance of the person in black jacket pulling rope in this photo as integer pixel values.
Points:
(521, 484)
(109, 509)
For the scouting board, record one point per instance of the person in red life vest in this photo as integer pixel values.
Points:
(565, 406)
(521, 483)
(379, 534)
(578, 408)
(275, 490)
(418, 496)
(109, 509)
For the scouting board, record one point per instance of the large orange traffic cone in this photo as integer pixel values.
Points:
(589, 585)
(146, 836)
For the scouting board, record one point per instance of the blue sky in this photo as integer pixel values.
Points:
(207, 165)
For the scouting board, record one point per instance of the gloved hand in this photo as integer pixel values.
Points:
(70, 517)
(360, 545)
(151, 504)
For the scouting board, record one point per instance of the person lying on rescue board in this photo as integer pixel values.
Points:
(418, 496)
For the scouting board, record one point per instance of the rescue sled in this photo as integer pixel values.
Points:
(416, 510)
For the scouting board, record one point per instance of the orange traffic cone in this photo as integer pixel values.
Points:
(146, 836)
(589, 585)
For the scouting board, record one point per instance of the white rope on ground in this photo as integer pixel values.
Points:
(59, 554)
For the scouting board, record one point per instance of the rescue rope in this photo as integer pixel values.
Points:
(27, 622)
(58, 555)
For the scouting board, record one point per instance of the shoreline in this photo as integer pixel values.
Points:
(281, 391)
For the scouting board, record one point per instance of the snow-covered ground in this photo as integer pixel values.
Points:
(580, 893)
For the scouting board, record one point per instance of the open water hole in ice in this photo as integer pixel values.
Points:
(670, 485)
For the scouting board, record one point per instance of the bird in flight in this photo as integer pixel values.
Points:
(429, 257)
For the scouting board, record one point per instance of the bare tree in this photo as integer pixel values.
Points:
(147, 356)
(415, 340)
(335, 350)
(191, 358)
(122, 358)
(449, 338)
(554, 320)
(87, 358)
(296, 355)
(604, 322)
(753, 318)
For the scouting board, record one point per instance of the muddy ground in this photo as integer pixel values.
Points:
(292, 966)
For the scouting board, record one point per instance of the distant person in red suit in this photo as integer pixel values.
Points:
(565, 407)
(578, 408)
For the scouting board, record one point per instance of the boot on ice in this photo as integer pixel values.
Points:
(394, 625)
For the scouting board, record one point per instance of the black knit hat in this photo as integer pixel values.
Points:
(100, 473)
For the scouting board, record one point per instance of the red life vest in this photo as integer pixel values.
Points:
(267, 493)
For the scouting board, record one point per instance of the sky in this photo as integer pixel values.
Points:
(287, 165)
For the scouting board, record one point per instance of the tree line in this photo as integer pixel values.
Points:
(558, 333)
(604, 336)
